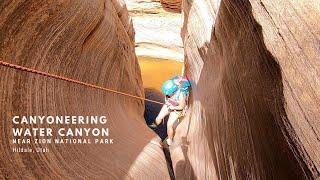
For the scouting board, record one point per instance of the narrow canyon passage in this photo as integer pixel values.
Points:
(158, 46)
(254, 66)
(158, 43)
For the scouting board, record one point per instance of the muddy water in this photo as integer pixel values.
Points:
(155, 71)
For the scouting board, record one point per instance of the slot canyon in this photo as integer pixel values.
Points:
(254, 106)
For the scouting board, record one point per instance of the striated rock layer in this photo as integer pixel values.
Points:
(90, 41)
(255, 102)
(171, 5)
(157, 32)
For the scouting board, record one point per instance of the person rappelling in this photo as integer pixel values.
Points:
(176, 91)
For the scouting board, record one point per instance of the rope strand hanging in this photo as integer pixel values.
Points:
(21, 68)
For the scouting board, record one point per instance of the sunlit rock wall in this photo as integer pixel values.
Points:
(255, 101)
(90, 41)
(157, 31)
(172, 5)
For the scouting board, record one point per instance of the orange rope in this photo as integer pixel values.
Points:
(14, 66)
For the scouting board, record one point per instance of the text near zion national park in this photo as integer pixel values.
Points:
(59, 130)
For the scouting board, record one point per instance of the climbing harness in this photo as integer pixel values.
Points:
(21, 68)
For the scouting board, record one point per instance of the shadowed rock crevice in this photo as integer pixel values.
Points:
(167, 155)
(152, 110)
(150, 114)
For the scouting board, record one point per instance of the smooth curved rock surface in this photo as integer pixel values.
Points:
(255, 101)
(91, 41)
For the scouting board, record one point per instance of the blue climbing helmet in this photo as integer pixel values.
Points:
(182, 82)
(176, 83)
(169, 87)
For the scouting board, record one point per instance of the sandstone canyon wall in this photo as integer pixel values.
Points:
(255, 101)
(90, 41)
(157, 32)
(255, 104)
(172, 5)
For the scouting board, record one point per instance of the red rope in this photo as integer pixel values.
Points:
(14, 66)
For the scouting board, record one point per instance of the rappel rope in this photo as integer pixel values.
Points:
(21, 68)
